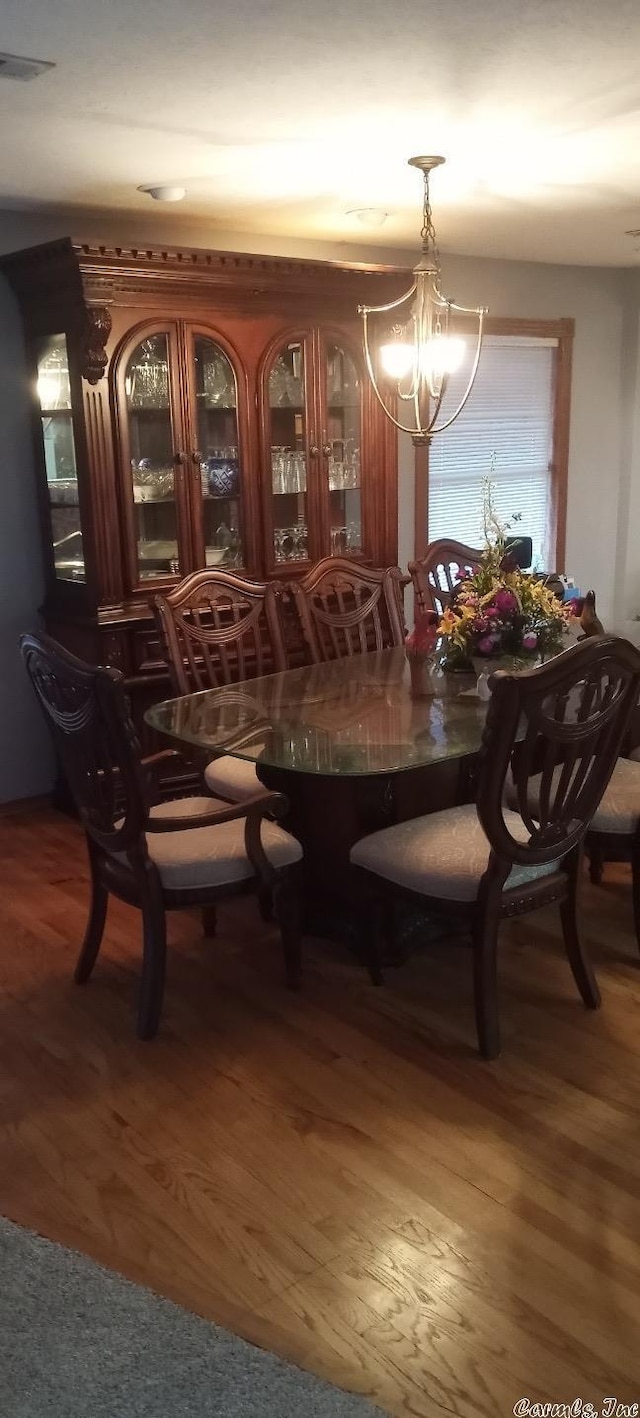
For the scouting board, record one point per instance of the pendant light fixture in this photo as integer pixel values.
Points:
(418, 353)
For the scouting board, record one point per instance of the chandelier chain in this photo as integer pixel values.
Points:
(428, 231)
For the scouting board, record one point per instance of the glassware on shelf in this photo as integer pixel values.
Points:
(343, 380)
(151, 449)
(354, 536)
(218, 379)
(286, 385)
(151, 483)
(290, 543)
(346, 540)
(344, 465)
(147, 377)
(288, 471)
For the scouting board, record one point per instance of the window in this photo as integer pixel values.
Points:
(506, 433)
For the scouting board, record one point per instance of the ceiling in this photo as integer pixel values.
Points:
(279, 117)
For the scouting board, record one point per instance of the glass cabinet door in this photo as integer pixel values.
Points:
(342, 449)
(217, 454)
(288, 451)
(54, 397)
(152, 453)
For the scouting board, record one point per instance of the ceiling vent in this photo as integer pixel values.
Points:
(14, 66)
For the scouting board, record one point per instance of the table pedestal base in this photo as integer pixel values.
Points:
(328, 814)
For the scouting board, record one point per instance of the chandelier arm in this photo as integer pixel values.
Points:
(365, 310)
(432, 428)
(479, 310)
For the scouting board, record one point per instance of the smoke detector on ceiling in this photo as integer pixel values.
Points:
(15, 66)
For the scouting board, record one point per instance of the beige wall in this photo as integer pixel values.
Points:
(604, 472)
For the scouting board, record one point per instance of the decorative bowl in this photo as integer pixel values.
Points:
(214, 556)
(223, 476)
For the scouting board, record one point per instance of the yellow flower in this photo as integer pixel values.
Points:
(448, 623)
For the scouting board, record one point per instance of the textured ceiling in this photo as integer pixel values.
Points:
(279, 117)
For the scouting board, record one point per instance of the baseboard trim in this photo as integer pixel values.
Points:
(43, 800)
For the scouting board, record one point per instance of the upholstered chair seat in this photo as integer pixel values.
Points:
(214, 856)
(232, 778)
(619, 810)
(444, 854)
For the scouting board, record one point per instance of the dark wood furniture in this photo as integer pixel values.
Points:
(350, 749)
(216, 629)
(345, 609)
(190, 852)
(435, 574)
(194, 409)
(556, 732)
(614, 834)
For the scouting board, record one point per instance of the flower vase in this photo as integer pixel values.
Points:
(420, 669)
(485, 665)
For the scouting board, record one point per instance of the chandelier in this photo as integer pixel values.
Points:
(419, 354)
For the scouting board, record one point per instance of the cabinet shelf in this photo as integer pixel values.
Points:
(153, 501)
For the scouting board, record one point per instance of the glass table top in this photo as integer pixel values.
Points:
(350, 717)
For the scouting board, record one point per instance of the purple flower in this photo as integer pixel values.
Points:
(487, 644)
(530, 641)
(505, 602)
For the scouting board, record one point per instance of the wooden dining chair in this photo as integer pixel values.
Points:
(349, 609)
(552, 734)
(157, 856)
(435, 575)
(218, 629)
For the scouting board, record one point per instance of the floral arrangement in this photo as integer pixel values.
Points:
(499, 611)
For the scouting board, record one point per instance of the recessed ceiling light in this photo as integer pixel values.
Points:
(369, 216)
(164, 193)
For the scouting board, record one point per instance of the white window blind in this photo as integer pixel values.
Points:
(504, 432)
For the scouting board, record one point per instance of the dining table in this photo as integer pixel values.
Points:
(348, 746)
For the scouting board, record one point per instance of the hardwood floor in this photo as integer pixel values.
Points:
(336, 1175)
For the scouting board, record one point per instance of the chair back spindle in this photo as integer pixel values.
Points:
(219, 629)
(435, 575)
(346, 609)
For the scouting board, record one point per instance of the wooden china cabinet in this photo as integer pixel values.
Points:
(195, 409)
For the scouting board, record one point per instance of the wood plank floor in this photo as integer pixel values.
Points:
(335, 1174)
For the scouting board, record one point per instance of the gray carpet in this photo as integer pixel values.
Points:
(77, 1341)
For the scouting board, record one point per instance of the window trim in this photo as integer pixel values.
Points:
(562, 331)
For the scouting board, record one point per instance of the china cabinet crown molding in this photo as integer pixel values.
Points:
(103, 273)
